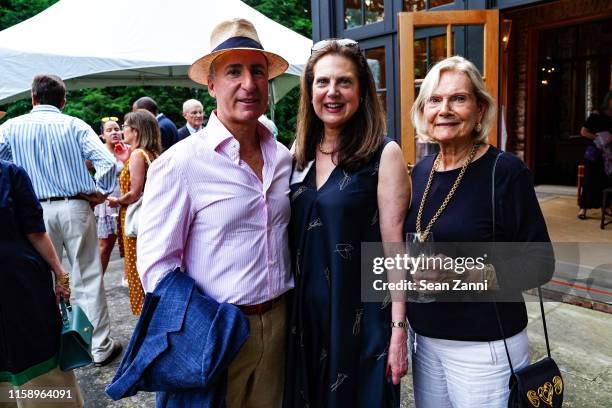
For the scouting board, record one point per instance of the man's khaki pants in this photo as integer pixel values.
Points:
(71, 225)
(56, 379)
(256, 376)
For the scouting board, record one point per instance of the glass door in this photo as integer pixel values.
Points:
(417, 54)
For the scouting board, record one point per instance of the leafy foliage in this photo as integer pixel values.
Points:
(93, 104)
(293, 14)
(16, 11)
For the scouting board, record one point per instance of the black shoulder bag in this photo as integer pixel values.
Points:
(539, 384)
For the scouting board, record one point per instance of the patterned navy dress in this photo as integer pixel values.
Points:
(337, 351)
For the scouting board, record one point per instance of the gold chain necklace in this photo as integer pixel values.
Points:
(325, 151)
(423, 235)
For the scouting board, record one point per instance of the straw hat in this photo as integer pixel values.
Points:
(236, 34)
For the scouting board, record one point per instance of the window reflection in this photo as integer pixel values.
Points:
(361, 12)
(414, 5)
(418, 5)
(376, 61)
(437, 3)
(437, 49)
(375, 11)
(352, 13)
(420, 59)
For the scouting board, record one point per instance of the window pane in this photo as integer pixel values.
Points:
(423, 149)
(374, 11)
(420, 59)
(436, 3)
(414, 5)
(376, 61)
(468, 41)
(437, 49)
(352, 13)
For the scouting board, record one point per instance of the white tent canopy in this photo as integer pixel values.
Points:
(99, 43)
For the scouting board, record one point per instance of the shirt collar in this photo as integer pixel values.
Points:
(191, 128)
(45, 108)
(219, 138)
(216, 132)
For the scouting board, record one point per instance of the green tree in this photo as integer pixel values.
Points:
(293, 14)
(16, 11)
(93, 104)
(296, 15)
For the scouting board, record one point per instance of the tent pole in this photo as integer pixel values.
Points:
(271, 103)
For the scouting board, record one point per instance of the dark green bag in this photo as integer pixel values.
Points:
(75, 346)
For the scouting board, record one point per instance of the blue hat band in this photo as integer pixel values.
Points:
(238, 42)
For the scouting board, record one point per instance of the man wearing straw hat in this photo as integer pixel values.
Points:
(217, 206)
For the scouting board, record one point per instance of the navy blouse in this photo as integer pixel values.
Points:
(469, 218)
(29, 318)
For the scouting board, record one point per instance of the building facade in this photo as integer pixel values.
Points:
(552, 62)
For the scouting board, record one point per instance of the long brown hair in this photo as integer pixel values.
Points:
(363, 132)
(149, 135)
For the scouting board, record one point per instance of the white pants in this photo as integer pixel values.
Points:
(464, 374)
(72, 225)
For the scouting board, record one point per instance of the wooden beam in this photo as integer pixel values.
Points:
(449, 41)
(491, 66)
(438, 18)
(407, 91)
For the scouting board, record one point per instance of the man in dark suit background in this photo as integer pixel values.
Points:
(169, 133)
(193, 112)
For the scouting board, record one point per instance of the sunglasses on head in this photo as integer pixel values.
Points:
(343, 42)
(109, 118)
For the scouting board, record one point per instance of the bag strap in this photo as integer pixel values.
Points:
(64, 311)
(501, 328)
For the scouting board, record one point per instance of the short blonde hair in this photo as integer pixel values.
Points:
(431, 81)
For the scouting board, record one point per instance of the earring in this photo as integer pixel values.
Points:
(478, 127)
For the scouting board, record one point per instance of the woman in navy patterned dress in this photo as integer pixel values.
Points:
(349, 186)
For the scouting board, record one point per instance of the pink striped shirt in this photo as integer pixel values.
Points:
(205, 210)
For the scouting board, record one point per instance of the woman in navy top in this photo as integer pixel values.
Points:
(349, 186)
(458, 354)
(30, 322)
